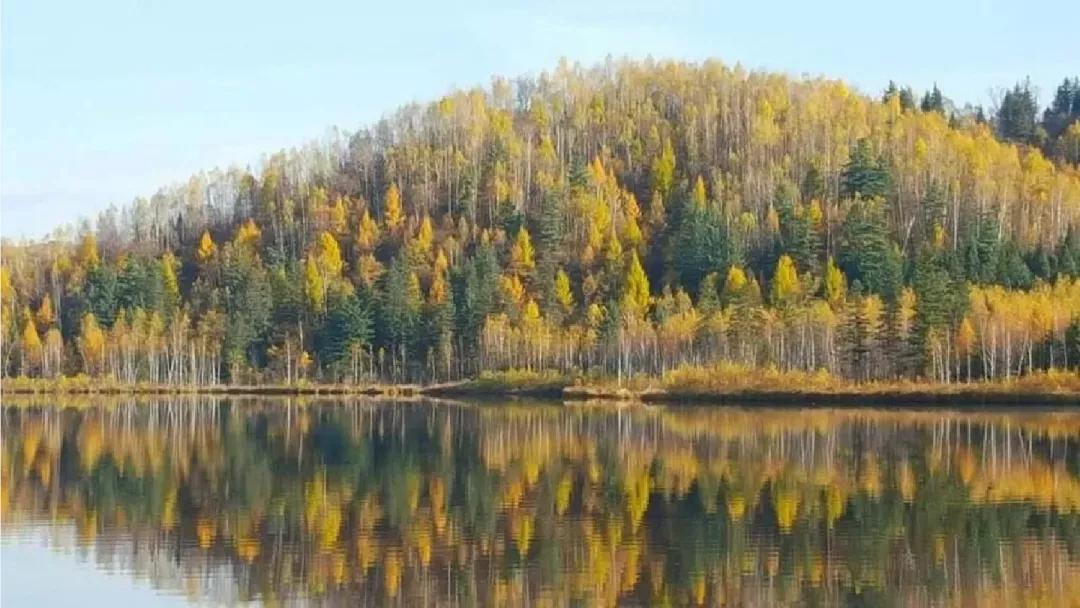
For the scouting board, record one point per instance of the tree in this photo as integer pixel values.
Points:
(931, 285)
(636, 294)
(392, 210)
(45, 315)
(206, 249)
(863, 175)
(169, 281)
(346, 330)
(92, 345)
(1016, 114)
(663, 170)
(101, 293)
(522, 254)
(867, 254)
(314, 287)
(835, 285)
(31, 344)
(933, 101)
(564, 296)
(786, 287)
(798, 235)
(701, 245)
(367, 237)
(698, 196)
(400, 313)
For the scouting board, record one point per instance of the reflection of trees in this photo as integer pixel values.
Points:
(458, 504)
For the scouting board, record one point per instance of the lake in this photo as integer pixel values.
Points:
(168, 501)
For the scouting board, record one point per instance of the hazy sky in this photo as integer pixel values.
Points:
(104, 101)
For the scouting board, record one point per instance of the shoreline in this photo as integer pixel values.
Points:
(997, 393)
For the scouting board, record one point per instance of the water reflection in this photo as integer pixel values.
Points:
(422, 503)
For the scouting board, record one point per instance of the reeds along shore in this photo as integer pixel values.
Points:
(718, 384)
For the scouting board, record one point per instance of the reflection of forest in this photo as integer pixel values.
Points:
(426, 503)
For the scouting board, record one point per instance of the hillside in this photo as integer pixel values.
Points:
(627, 219)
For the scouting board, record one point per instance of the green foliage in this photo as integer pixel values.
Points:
(864, 175)
(1016, 114)
(346, 329)
(867, 253)
(701, 244)
(933, 101)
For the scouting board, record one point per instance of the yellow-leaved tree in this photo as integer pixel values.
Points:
(835, 285)
(31, 344)
(367, 236)
(392, 212)
(522, 254)
(206, 249)
(92, 345)
(564, 296)
(636, 295)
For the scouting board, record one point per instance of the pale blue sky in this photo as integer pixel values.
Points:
(104, 101)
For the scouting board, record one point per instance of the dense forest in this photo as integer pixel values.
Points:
(622, 220)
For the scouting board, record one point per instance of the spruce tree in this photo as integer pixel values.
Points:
(867, 253)
(347, 327)
(933, 101)
(1016, 114)
(864, 175)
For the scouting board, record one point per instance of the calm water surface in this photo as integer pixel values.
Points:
(419, 503)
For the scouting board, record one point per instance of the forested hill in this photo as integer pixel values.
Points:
(625, 219)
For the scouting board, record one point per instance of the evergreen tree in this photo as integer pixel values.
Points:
(798, 238)
(347, 329)
(933, 212)
(1016, 114)
(400, 311)
(1064, 110)
(933, 101)
(864, 175)
(932, 284)
(981, 250)
(101, 293)
(702, 244)
(813, 184)
(1013, 271)
(867, 253)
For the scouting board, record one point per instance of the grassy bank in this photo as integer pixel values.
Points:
(716, 384)
(733, 384)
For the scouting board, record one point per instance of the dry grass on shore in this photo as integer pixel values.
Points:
(724, 382)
